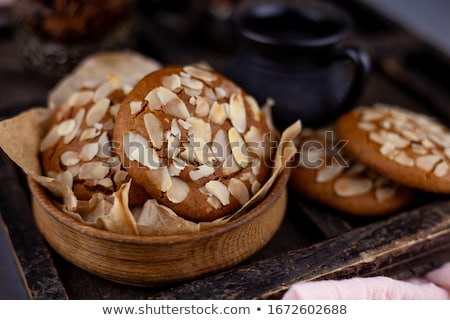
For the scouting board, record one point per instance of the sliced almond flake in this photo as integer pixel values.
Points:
(193, 100)
(255, 140)
(201, 107)
(104, 146)
(439, 140)
(386, 148)
(105, 182)
(410, 135)
(120, 176)
(171, 82)
(89, 133)
(127, 88)
(202, 171)
(441, 169)
(219, 145)
(52, 174)
(66, 127)
(173, 146)
(427, 162)
(74, 170)
(418, 148)
(89, 151)
(175, 169)
(378, 137)
(175, 129)
(237, 114)
(367, 126)
(200, 130)
(80, 98)
(238, 148)
(219, 190)
(172, 104)
(135, 107)
(371, 115)
(161, 178)
(114, 109)
(400, 115)
(50, 139)
(428, 144)
(178, 191)
(217, 113)
(214, 202)
(220, 93)
(200, 73)
(69, 158)
(188, 153)
(447, 153)
(254, 107)
(328, 173)
(97, 111)
(403, 159)
(396, 140)
(385, 193)
(78, 119)
(66, 178)
(108, 125)
(256, 185)
(256, 166)
(192, 83)
(154, 129)
(355, 169)
(154, 102)
(209, 93)
(94, 170)
(104, 90)
(351, 186)
(386, 124)
(392, 154)
(185, 125)
(239, 190)
(230, 166)
(183, 74)
(192, 92)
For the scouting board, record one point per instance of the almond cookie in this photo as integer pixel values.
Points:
(77, 148)
(194, 140)
(410, 148)
(325, 173)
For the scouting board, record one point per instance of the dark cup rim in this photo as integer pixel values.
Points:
(325, 9)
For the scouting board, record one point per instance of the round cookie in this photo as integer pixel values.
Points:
(194, 140)
(77, 148)
(410, 148)
(326, 174)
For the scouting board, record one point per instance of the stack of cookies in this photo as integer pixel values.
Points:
(373, 160)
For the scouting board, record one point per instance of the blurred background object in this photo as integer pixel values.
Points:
(54, 35)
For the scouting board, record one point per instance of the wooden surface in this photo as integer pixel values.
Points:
(313, 242)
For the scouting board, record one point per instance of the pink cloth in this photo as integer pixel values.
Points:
(433, 285)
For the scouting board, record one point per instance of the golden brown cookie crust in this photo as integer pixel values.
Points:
(410, 148)
(347, 185)
(179, 115)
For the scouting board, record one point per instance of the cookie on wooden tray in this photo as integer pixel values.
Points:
(410, 148)
(326, 174)
(77, 148)
(194, 140)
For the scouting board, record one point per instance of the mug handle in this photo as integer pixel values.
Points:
(362, 66)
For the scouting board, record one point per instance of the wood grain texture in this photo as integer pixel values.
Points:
(158, 260)
(377, 249)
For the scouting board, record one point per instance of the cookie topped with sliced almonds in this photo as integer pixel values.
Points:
(77, 148)
(324, 172)
(408, 147)
(194, 140)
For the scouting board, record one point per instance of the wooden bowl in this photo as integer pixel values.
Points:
(159, 260)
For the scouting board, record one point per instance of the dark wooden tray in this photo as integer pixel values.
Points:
(314, 242)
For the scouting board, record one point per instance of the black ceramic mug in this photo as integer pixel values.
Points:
(293, 52)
